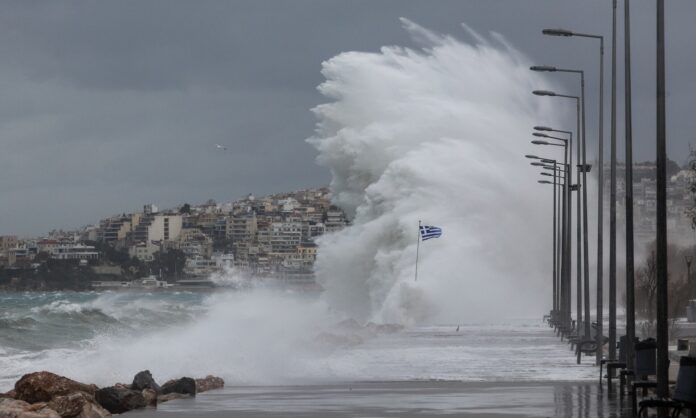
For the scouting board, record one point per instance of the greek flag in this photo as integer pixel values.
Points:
(428, 232)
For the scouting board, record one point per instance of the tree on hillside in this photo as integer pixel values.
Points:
(170, 263)
(672, 168)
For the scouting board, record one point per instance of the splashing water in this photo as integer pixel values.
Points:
(436, 135)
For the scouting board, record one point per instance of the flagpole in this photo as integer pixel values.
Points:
(417, 248)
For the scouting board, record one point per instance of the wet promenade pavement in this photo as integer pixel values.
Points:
(401, 399)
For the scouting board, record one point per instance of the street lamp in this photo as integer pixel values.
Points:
(557, 32)
(585, 268)
(662, 333)
(565, 219)
(612, 196)
(545, 163)
(556, 259)
(567, 270)
(628, 130)
(568, 247)
(554, 309)
(600, 202)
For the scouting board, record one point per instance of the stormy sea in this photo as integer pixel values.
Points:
(260, 337)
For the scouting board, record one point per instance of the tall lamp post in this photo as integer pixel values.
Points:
(600, 175)
(559, 175)
(570, 182)
(560, 284)
(612, 197)
(584, 169)
(554, 309)
(630, 286)
(661, 142)
(578, 277)
(565, 220)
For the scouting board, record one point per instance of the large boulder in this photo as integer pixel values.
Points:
(13, 408)
(209, 382)
(93, 410)
(71, 404)
(119, 400)
(77, 404)
(43, 386)
(185, 385)
(150, 396)
(144, 380)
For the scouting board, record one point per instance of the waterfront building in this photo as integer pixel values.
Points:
(200, 267)
(143, 251)
(194, 243)
(335, 219)
(223, 260)
(7, 242)
(285, 236)
(158, 227)
(266, 236)
(74, 252)
(117, 228)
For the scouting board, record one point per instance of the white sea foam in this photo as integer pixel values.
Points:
(246, 336)
(59, 306)
(438, 135)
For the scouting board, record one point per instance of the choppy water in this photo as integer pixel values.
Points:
(51, 320)
(261, 337)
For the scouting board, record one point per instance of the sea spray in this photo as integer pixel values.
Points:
(436, 134)
(259, 336)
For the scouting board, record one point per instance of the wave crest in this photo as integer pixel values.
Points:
(437, 135)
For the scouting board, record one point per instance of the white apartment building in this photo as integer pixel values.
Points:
(199, 266)
(242, 227)
(223, 261)
(144, 251)
(74, 252)
(8, 241)
(285, 236)
(159, 227)
(335, 220)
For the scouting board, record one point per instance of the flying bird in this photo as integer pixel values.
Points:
(222, 147)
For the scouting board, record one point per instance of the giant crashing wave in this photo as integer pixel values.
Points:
(435, 134)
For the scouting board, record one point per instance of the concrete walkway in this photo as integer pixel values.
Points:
(398, 399)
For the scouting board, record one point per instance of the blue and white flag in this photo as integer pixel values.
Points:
(427, 232)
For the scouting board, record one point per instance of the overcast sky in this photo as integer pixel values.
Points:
(106, 106)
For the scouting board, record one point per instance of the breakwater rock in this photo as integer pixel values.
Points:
(48, 395)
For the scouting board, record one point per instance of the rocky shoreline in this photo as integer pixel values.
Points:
(48, 395)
